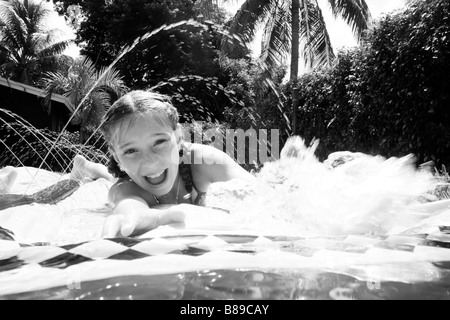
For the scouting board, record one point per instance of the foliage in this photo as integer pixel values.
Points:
(83, 84)
(182, 62)
(389, 97)
(276, 17)
(409, 84)
(109, 26)
(259, 106)
(28, 44)
(210, 10)
(292, 28)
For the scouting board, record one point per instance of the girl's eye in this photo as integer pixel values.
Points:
(130, 151)
(160, 141)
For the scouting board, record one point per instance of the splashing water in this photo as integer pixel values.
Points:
(25, 145)
(296, 195)
(299, 194)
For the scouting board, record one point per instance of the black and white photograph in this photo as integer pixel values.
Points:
(236, 151)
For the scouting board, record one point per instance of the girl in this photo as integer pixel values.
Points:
(154, 166)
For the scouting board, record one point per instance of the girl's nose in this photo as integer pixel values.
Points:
(149, 159)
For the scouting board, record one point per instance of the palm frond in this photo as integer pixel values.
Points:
(317, 47)
(246, 21)
(45, 38)
(276, 43)
(355, 13)
(54, 49)
(56, 35)
(86, 68)
(13, 53)
(53, 82)
(26, 37)
(249, 15)
(9, 39)
(37, 13)
(5, 39)
(83, 76)
(94, 110)
(111, 80)
(16, 31)
(4, 47)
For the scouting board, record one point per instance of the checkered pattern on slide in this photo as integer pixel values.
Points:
(188, 252)
(14, 255)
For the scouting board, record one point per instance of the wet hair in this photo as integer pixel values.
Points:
(114, 169)
(136, 103)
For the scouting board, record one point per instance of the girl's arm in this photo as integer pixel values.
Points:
(124, 188)
(216, 165)
(132, 214)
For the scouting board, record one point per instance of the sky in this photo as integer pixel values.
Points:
(340, 34)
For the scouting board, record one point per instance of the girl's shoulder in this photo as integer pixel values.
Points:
(204, 163)
(209, 165)
(201, 154)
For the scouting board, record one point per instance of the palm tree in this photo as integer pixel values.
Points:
(26, 42)
(291, 25)
(83, 83)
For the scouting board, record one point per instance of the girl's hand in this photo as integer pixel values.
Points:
(134, 219)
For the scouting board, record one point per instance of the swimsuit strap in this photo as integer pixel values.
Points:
(186, 175)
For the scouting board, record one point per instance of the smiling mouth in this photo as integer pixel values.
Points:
(157, 179)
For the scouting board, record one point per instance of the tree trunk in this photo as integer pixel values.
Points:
(294, 61)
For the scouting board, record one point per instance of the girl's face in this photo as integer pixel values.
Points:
(148, 152)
